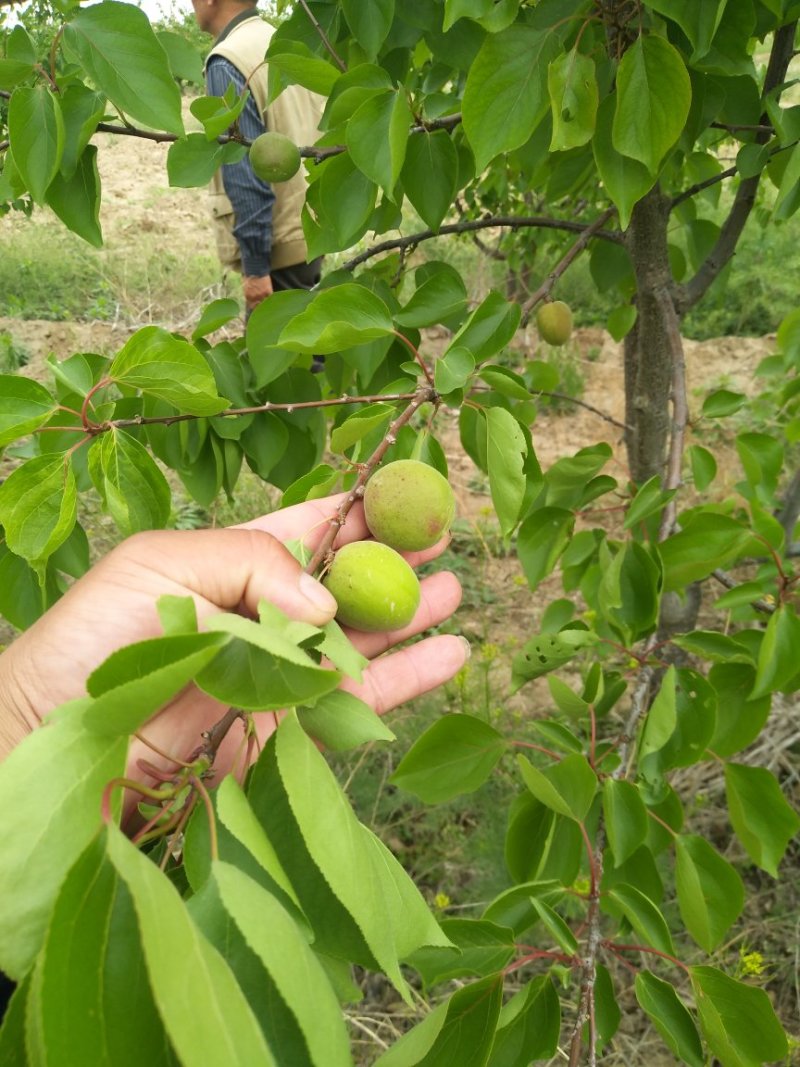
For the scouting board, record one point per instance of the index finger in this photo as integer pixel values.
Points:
(310, 521)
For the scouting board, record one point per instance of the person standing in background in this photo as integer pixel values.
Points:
(258, 227)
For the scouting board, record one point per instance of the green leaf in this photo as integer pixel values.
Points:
(625, 816)
(710, 892)
(337, 318)
(24, 405)
(542, 538)
(430, 175)
(440, 294)
(134, 490)
(214, 316)
(505, 95)
(134, 682)
(81, 109)
(208, 1019)
(760, 814)
(36, 131)
(479, 948)
(661, 720)
(572, 84)
(53, 782)
(506, 382)
(319, 482)
(454, 756)
(777, 657)
(463, 1036)
(722, 402)
(167, 367)
(643, 915)
(489, 328)
(568, 787)
(377, 136)
(76, 200)
(698, 21)
(529, 1026)
(653, 97)
(13, 71)
(621, 320)
(296, 971)
(293, 62)
(453, 370)
(116, 46)
(184, 58)
(565, 698)
(707, 542)
(192, 161)
(363, 877)
(738, 1020)
(704, 467)
(739, 719)
(340, 721)
(547, 652)
(359, 424)
(91, 1001)
(263, 668)
(670, 1016)
(506, 449)
(649, 499)
(556, 926)
(38, 507)
(341, 651)
(264, 326)
(369, 23)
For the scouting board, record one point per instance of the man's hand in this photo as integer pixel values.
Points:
(222, 570)
(256, 289)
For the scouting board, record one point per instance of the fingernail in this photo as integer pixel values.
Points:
(467, 646)
(317, 594)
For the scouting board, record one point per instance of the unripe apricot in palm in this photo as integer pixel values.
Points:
(274, 157)
(554, 322)
(408, 505)
(375, 588)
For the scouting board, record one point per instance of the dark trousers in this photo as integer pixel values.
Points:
(299, 276)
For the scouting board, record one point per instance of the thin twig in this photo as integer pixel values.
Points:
(730, 583)
(680, 411)
(544, 290)
(340, 63)
(512, 222)
(583, 404)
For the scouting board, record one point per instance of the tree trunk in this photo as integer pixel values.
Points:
(649, 345)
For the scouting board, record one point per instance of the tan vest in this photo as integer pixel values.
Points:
(296, 113)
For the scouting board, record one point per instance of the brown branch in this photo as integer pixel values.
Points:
(680, 410)
(512, 222)
(583, 404)
(730, 583)
(698, 187)
(544, 290)
(425, 394)
(340, 63)
(586, 1008)
(734, 127)
(725, 246)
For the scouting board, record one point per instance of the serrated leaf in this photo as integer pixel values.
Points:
(505, 95)
(710, 892)
(567, 787)
(506, 451)
(480, 947)
(208, 1020)
(760, 814)
(36, 132)
(336, 318)
(54, 782)
(738, 1020)
(653, 97)
(670, 1016)
(169, 368)
(135, 491)
(24, 405)
(116, 46)
(454, 756)
(340, 721)
(38, 507)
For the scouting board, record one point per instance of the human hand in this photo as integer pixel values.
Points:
(256, 289)
(114, 604)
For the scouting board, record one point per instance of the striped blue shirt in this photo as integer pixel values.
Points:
(251, 198)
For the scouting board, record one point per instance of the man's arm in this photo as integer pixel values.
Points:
(250, 197)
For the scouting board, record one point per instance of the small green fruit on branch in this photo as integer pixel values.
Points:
(408, 505)
(274, 157)
(554, 322)
(376, 590)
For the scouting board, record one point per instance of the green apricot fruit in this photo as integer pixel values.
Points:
(274, 157)
(408, 505)
(554, 322)
(375, 588)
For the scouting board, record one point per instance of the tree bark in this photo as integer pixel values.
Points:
(648, 347)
